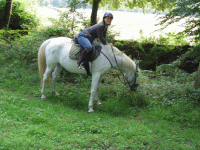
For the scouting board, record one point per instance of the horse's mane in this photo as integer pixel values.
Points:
(127, 64)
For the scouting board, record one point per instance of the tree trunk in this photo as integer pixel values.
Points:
(95, 7)
(197, 79)
(7, 13)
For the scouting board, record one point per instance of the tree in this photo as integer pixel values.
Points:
(160, 5)
(95, 7)
(188, 10)
(6, 14)
(75, 4)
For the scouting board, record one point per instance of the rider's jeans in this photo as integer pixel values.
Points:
(84, 41)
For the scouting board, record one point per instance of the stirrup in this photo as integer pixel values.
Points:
(81, 66)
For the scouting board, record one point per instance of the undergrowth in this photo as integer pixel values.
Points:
(160, 96)
(152, 51)
(164, 108)
(170, 89)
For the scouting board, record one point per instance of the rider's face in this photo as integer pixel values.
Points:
(108, 20)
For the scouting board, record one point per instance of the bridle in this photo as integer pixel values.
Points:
(125, 79)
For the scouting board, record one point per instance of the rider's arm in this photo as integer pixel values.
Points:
(100, 33)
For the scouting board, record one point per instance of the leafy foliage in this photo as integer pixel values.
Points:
(23, 49)
(188, 10)
(21, 17)
(68, 24)
(171, 38)
(192, 53)
(75, 4)
(154, 51)
(157, 4)
(12, 34)
(190, 60)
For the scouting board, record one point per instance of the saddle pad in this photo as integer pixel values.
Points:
(75, 52)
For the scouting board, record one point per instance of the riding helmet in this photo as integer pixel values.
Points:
(108, 15)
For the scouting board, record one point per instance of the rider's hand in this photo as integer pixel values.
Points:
(111, 44)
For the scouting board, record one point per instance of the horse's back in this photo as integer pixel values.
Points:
(59, 42)
(56, 48)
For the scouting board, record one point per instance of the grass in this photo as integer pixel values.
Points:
(34, 124)
(164, 113)
(147, 119)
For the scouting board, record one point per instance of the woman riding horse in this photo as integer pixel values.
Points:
(87, 35)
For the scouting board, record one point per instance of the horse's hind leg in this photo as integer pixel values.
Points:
(54, 76)
(45, 76)
(96, 98)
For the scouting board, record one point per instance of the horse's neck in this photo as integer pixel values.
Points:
(128, 65)
(114, 55)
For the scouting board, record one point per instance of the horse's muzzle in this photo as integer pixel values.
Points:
(134, 87)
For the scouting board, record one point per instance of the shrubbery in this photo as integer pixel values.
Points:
(12, 34)
(152, 55)
(190, 60)
(68, 24)
(23, 49)
(154, 51)
(150, 50)
(21, 17)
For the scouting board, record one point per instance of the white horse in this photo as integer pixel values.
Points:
(54, 54)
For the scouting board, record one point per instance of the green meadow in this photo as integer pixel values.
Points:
(163, 113)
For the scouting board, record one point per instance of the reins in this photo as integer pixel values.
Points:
(125, 82)
(107, 58)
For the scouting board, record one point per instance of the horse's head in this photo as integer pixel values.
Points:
(128, 67)
(132, 76)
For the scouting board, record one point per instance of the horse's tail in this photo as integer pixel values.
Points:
(42, 59)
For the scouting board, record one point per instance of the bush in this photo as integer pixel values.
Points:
(190, 60)
(12, 34)
(152, 55)
(24, 49)
(171, 38)
(155, 51)
(168, 69)
(21, 17)
(68, 24)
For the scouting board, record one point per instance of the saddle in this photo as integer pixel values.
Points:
(76, 50)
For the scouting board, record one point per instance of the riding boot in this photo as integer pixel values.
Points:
(83, 57)
(87, 68)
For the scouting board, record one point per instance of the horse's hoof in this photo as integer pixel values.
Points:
(90, 111)
(56, 94)
(43, 99)
(99, 104)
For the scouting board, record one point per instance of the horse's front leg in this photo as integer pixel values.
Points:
(94, 90)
